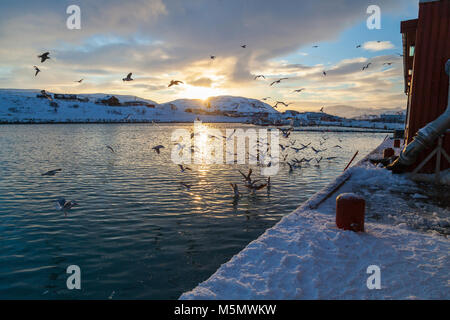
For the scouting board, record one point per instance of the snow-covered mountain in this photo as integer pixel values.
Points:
(32, 106)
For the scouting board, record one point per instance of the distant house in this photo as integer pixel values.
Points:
(112, 101)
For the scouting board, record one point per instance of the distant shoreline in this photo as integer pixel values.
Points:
(315, 128)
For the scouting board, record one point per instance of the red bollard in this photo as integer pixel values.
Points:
(350, 210)
(388, 152)
(396, 143)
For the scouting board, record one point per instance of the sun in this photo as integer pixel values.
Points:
(202, 93)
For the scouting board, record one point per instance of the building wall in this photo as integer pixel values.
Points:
(429, 87)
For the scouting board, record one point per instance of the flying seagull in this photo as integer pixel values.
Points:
(110, 148)
(183, 169)
(278, 81)
(259, 76)
(37, 71)
(63, 204)
(51, 172)
(44, 56)
(299, 90)
(358, 46)
(321, 109)
(367, 66)
(175, 83)
(128, 78)
(244, 46)
(281, 102)
(213, 57)
(315, 46)
(157, 148)
(79, 81)
(324, 73)
(387, 64)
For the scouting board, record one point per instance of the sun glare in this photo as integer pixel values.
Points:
(203, 93)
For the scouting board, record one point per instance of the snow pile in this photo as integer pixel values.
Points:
(306, 257)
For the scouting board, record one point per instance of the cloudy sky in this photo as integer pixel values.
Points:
(161, 40)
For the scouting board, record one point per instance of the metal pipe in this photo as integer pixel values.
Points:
(425, 136)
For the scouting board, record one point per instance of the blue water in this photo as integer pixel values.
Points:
(137, 233)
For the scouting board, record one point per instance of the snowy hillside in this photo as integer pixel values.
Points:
(32, 106)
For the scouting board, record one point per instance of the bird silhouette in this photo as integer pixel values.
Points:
(278, 81)
(128, 78)
(259, 76)
(158, 149)
(37, 71)
(44, 57)
(52, 172)
(175, 83)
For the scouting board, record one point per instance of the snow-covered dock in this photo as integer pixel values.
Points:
(305, 256)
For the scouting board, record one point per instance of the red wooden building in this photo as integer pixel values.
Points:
(426, 49)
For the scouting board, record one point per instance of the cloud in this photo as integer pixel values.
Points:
(378, 45)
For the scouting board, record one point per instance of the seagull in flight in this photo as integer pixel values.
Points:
(157, 148)
(213, 57)
(128, 78)
(44, 57)
(110, 148)
(367, 66)
(175, 83)
(321, 109)
(63, 204)
(37, 71)
(281, 102)
(79, 81)
(244, 46)
(266, 98)
(324, 73)
(183, 169)
(259, 76)
(317, 151)
(387, 64)
(51, 172)
(358, 46)
(299, 90)
(315, 46)
(187, 186)
(278, 81)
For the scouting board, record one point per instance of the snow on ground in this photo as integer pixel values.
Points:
(306, 257)
(23, 106)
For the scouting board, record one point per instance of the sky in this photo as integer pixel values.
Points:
(163, 40)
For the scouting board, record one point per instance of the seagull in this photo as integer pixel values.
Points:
(304, 146)
(266, 98)
(175, 83)
(45, 94)
(128, 78)
(315, 46)
(281, 102)
(187, 186)
(44, 56)
(367, 66)
(259, 76)
(337, 146)
(324, 73)
(37, 71)
(79, 81)
(387, 64)
(286, 132)
(358, 46)
(244, 46)
(299, 90)
(110, 148)
(247, 178)
(63, 204)
(318, 160)
(278, 81)
(317, 151)
(213, 57)
(235, 190)
(321, 109)
(183, 169)
(157, 148)
(51, 172)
